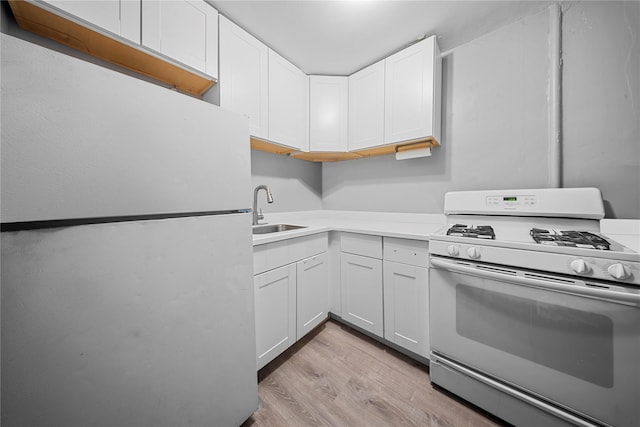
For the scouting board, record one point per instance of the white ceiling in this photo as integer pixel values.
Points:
(341, 37)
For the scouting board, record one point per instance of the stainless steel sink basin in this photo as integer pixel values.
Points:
(274, 228)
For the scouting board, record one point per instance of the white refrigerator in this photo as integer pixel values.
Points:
(127, 295)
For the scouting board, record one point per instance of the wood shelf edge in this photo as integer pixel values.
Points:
(315, 156)
(401, 146)
(36, 19)
(269, 147)
(325, 156)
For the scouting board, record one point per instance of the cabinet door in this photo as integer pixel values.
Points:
(184, 30)
(328, 110)
(366, 107)
(275, 300)
(410, 93)
(120, 17)
(288, 103)
(361, 286)
(312, 293)
(406, 306)
(244, 76)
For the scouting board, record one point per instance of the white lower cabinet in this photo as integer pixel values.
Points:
(406, 306)
(384, 285)
(383, 290)
(275, 300)
(406, 294)
(291, 292)
(361, 279)
(312, 293)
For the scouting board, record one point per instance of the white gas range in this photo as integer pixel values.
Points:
(555, 230)
(535, 315)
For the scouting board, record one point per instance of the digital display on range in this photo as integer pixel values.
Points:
(510, 199)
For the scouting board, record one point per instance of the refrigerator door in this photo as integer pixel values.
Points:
(83, 141)
(129, 324)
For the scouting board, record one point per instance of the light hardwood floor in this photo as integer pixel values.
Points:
(339, 377)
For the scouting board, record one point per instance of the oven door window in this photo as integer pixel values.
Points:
(573, 341)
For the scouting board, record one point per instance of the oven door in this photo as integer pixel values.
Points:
(572, 342)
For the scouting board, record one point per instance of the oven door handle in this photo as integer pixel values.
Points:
(437, 359)
(592, 292)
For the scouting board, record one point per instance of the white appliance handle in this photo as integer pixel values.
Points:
(511, 392)
(621, 297)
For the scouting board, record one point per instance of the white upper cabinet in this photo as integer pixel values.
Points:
(288, 103)
(184, 30)
(328, 112)
(412, 93)
(120, 17)
(244, 76)
(366, 107)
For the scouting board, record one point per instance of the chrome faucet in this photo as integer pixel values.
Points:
(258, 216)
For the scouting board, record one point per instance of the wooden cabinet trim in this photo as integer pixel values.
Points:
(270, 147)
(37, 19)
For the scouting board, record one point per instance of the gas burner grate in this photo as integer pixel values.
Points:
(478, 232)
(577, 239)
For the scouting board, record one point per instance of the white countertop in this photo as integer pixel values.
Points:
(623, 231)
(401, 225)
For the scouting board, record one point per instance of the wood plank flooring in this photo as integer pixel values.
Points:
(339, 377)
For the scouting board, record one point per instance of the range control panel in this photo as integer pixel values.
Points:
(511, 202)
(584, 203)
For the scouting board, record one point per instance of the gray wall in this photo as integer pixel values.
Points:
(296, 184)
(601, 45)
(495, 121)
(495, 118)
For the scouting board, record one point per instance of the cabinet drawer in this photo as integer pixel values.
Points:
(361, 244)
(405, 251)
(273, 255)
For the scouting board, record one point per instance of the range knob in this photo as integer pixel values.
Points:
(453, 250)
(580, 266)
(473, 252)
(619, 271)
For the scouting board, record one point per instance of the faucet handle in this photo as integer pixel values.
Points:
(260, 215)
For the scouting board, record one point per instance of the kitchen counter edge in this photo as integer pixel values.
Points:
(405, 226)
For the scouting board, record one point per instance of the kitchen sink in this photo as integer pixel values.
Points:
(274, 228)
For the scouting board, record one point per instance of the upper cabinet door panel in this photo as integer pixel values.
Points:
(244, 76)
(184, 30)
(412, 90)
(328, 112)
(366, 107)
(121, 17)
(288, 103)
